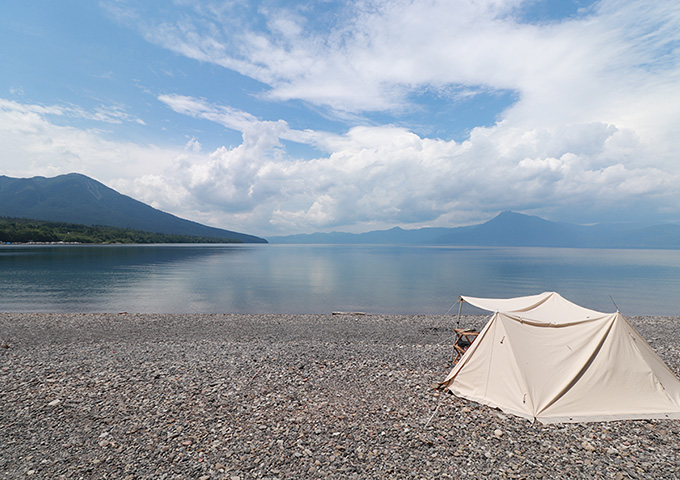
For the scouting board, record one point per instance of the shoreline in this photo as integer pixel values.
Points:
(285, 396)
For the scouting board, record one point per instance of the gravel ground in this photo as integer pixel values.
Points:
(284, 396)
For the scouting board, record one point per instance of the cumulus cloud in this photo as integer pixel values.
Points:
(373, 177)
(592, 134)
(379, 176)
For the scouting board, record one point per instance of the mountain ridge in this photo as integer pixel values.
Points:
(511, 229)
(77, 198)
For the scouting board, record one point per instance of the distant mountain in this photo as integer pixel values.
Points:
(512, 229)
(516, 229)
(76, 198)
(395, 235)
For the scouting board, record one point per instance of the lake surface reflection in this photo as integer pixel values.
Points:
(326, 278)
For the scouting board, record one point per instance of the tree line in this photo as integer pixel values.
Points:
(22, 230)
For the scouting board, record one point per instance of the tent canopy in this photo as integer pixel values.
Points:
(549, 307)
(544, 358)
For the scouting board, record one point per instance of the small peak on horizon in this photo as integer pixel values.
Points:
(509, 212)
(513, 214)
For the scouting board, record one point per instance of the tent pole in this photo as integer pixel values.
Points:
(460, 308)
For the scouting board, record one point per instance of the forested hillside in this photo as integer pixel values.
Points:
(21, 230)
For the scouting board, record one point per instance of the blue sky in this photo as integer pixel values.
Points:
(278, 117)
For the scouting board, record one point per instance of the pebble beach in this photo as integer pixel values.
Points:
(155, 396)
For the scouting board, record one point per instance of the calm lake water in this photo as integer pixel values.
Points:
(326, 278)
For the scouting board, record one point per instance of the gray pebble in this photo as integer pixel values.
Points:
(284, 396)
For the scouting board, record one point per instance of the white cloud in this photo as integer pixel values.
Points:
(103, 113)
(199, 108)
(35, 144)
(373, 177)
(108, 114)
(384, 50)
(245, 122)
(379, 176)
(592, 134)
(193, 145)
(617, 65)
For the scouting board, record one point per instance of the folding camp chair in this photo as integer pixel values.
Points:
(463, 340)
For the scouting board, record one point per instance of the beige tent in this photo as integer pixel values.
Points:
(542, 357)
